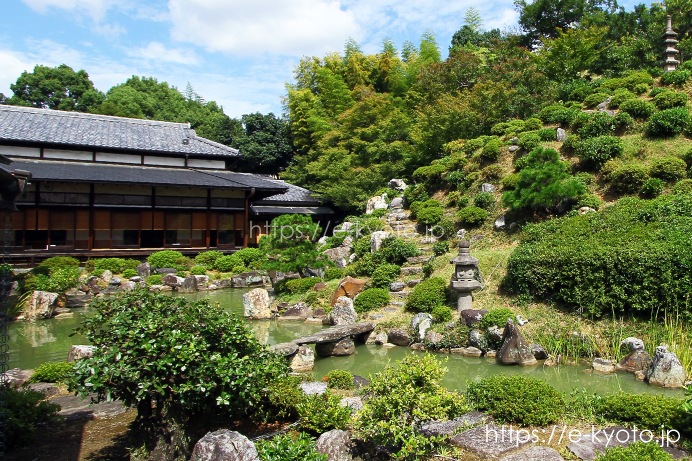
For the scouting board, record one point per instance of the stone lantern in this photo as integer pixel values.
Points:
(670, 54)
(463, 279)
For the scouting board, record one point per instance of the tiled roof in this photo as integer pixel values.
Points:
(295, 194)
(49, 170)
(31, 125)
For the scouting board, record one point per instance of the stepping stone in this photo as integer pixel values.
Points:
(73, 408)
(419, 259)
(399, 294)
(535, 454)
(314, 388)
(490, 441)
(436, 428)
(393, 309)
(411, 270)
(589, 445)
(336, 333)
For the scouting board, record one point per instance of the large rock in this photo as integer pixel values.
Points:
(632, 344)
(539, 352)
(17, 376)
(115, 281)
(340, 252)
(336, 444)
(399, 337)
(348, 287)
(106, 276)
(40, 305)
(515, 350)
(336, 333)
(298, 311)
(166, 270)
(561, 135)
(496, 334)
(313, 388)
(256, 304)
(396, 286)
(421, 322)
(285, 349)
(601, 365)
(303, 360)
(144, 270)
(172, 280)
(189, 285)
(201, 279)
(250, 279)
(338, 349)
(487, 187)
(375, 203)
(490, 441)
(47, 389)
(397, 184)
(224, 445)
(127, 286)
(535, 454)
(343, 312)
(478, 340)
(74, 408)
(637, 360)
(500, 222)
(376, 239)
(666, 370)
(397, 203)
(446, 428)
(471, 316)
(79, 351)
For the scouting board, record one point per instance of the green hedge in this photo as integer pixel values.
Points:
(370, 299)
(165, 258)
(668, 122)
(472, 215)
(384, 275)
(633, 256)
(301, 285)
(638, 108)
(596, 151)
(427, 295)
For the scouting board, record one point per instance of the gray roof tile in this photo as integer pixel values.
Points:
(295, 194)
(28, 124)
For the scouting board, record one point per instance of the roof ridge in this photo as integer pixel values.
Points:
(87, 115)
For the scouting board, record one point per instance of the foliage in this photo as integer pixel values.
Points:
(668, 122)
(629, 177)
(403, 398)
(683, 187)
(472, 216)
(395, 250)
(676, 77)
(441, 314)
(427, 295)
(670, 99)
(637, 451)
(598, 124)
(445, 229)
(289, 447)
(291, 244)
(370, 299)
(300, 285)
(264, 143)
(208, 258)
(543, 182)
(646, 411)
(322, 413)
(155, 279)
(279, 400)
(198, 270)
(510, 181)
(493, 171)
(226, 263)
(517, 399)
(669, 168)
(117, 265)
(620, 96)
(632, 256)
(52, 372)
(25, 410)
(595, 99)
(596, 151)
(430, 215)
(339, 379)
(129, 273)
(165, 258)
(440, 248)
(59, 281)
(485, 200)
(529, 140)
(178, 362)
(638, 108)
(59, 262)
(491, 151)
(384, 275)
(496, 317)
(590, 200)
(333, 273)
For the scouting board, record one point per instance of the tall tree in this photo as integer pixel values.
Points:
(473, 19)
(264, 143)
(59, 88)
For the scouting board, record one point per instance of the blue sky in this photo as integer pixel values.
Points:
(238, 53)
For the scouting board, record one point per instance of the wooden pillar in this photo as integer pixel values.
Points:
(247, 223)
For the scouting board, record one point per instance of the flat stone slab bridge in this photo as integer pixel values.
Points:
(357, 331)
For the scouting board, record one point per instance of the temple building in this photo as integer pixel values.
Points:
(103, 186)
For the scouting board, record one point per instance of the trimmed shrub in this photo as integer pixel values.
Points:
(333, 273)
(571, 141)
(453, 198)
(493, 171)
(250, 256)
(499, 129)
(426, 295)
(58, 262)
(653, 187)
(669, 168)
(683, 187)
(639, 89)
(620, 96)
(322, 413)
(595, 99)
(578, 94)
(638, 108)
(52, 372)
(590, 200)
(155, 279)
(637, 451)
(445, 229)
(129, 273)
(510, 181)
(396, 251)
(676, 77)
(25, 411)
(198, 270)
(208, 258)
(529, 140)
(472, 216)
(226, 263)
(655, 91)
(531, 124)
(415, 193)
(165, 258)
(429, 215)
(599, 124)
(286, 447)
(623, 121)
(472, 145)
(463, 201)
(491, 151)
(517, 399)
(339, 379)
(496, 317)
(302, 285)
(440, 248)
(629, 177)
(670, 99)
(485, 200)
(564, 117)
(384, 275)
(579, 260)
(595, 152)
(545, 113)
(646, 411)
(370, 299)
(547, 134)
(115, 265)
(668, 122)
(441, 314)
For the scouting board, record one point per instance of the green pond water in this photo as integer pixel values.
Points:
(33, 343)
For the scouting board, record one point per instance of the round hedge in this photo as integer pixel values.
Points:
(596, 151)
(384, 275)
(638, 108)
(227, 263)
(372, 298)
(472, 215)
(629, 177)
(429, 215)
(668, 122)
(670, 99)
(427, 295)
(496, 317)
(669, 168)
(517, 399)
(165, 258)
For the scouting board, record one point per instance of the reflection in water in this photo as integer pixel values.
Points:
(32, 344)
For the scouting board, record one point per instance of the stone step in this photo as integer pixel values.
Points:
(411, 270)
(399, 294)
(420, 259)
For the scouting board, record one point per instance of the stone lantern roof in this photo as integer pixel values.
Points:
(670, 54)
(464, 257)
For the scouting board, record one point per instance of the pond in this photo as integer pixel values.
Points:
(33, 343)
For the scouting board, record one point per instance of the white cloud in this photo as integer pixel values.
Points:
(299, 27)
(506, 18)
(156, 51)
(96, 9)
(13, 64)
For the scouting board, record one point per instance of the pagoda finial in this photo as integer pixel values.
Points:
(670, 54)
